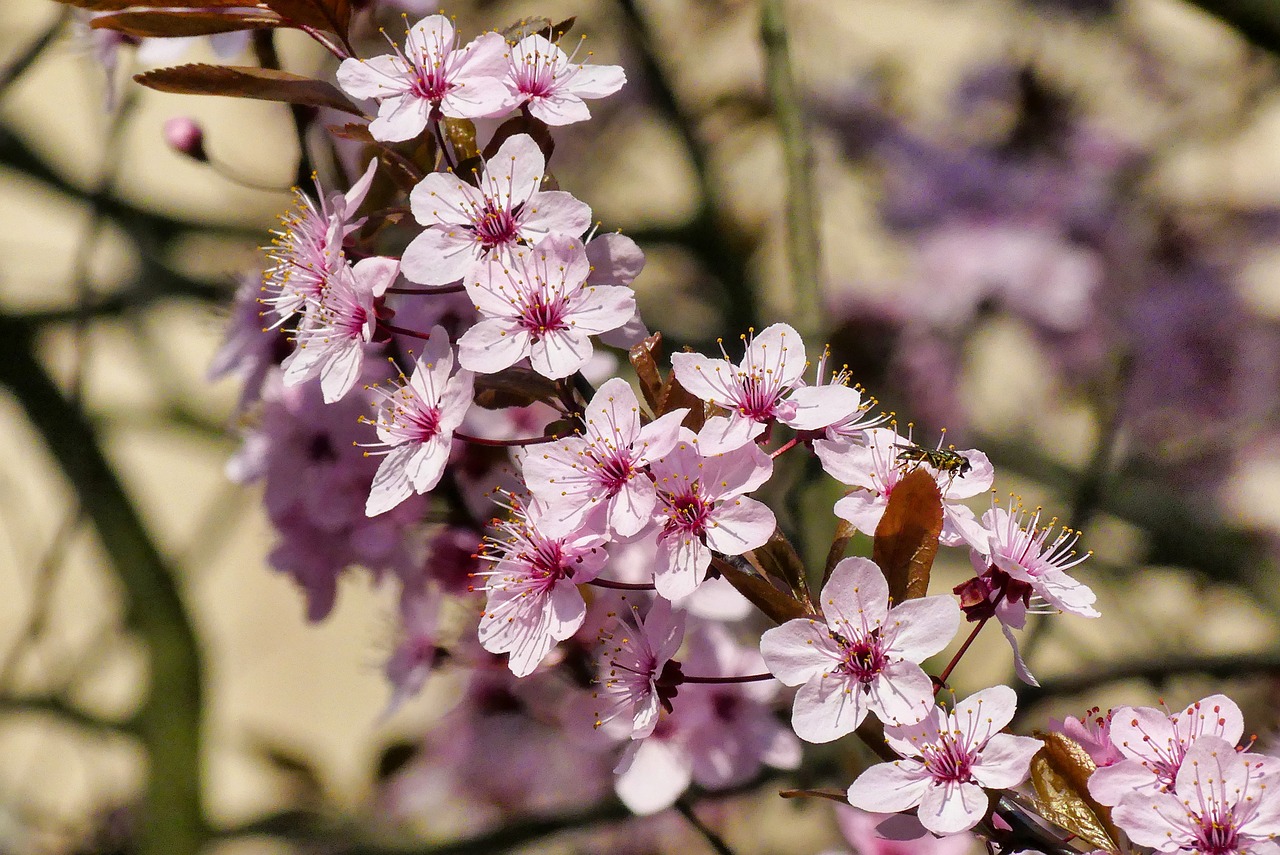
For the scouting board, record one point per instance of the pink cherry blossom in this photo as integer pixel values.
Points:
(466, 225)
(307, 248)
(1019, 545)
(765, 387)
(533, 597)
(552, 86)
(617, 260)
(1224, 802)
(718, 736)
(850, 430)
(874, 469)
(1093, 733)
(864, 659)
(416, 423)
(418, 646)
(431, 77)
(948, 761)
(540, 307)
(636, 657)
(1153, 744)
(703, 507)
(606, 467)
(336, 326)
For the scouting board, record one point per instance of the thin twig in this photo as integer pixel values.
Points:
(797, 155)
(714, 840)
(33, 51)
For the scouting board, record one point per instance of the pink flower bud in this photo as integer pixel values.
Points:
(185, 137)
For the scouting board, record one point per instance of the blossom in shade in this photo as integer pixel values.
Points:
(948, 760)
(539, 306)
(765, 387)
(533, 597)
(617, 260)
(636, 657)
(307, 248)
(865, 657)
(330, 338)
(718, 736)
(552, 86)
(896, 834)
(874, 469)
(703, 507)
(1153, 744)
(429, 78)
(468, 224)
(606, 467)
(415, 425)
(418, 647)
(1223, 802)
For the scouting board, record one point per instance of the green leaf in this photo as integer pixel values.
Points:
(237, 81)
(906, 540)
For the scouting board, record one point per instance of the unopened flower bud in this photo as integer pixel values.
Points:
(185, 137)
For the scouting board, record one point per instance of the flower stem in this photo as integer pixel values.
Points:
(745, 678)
(509, 443)
(404, 330)
(784, 448)
(816, 794)
(622, 586)
(955, 660)
(713, 840)
(445, 151)
(455, 288)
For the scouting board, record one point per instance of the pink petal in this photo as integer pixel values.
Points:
(923, 627)
(852, 465)
(890, 787)
(391, 484)
(952, 808)
(560, 353)
(376, 274)
(515, 172)
(491, 346)
(985, 713)
(377, 77)
(827, 709)
(820, 406)
(615, 259)
(560, 108)
(680, 564)
(711, 380)
(656, 776)
(657, 438)
(340, 370)
(862, 510)
(427, 464)
(1006, 761)
(554, 212)
(740, 525)
(901, 694)
(733, 473)
(400, 117)
(631, 508)
(723, 434)
(798, 650)
(440, 255)
(856, 596)
(1112, 783)
(601, 308)
(614, 412)
(597, 81)
(443, 198)
(781, 347)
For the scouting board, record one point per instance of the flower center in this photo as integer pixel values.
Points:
(541, 317)
(429, 80)
(614, 469)
(758, 398)
(689, 513)
(1217, 834)
(495, 226)
(947, 761)
(864, 657)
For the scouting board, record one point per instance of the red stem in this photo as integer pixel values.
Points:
(404, 330)
(747, 678)
(785, 447)
(510, 443)
(955, 660)
(621, 586)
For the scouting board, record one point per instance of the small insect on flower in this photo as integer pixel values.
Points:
(943, 459)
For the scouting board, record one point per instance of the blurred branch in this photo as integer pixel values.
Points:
(46, 575)
(709, 234)
(1155, 671)
(169, 721)
(63, 711)
(33, 51)
(797, 155)
(1256, 20)
(713, 840)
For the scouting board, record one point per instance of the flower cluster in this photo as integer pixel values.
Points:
(635, 539)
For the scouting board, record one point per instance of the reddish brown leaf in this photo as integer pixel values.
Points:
(674, 396)
(521, 124)
(526, 27)
(779, 559)
(333, 16)
(560, 30)
(237, 81)
(644, 358)
(352, 131)
(778, 606)
(906, 540)
(512, 387)
(840, 543)
(194, 22)
(140, 5)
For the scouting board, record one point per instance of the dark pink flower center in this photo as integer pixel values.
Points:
(424, 423)
(864, 658)
(429, 82)
(1217, 834)
(757, 398)
(615, 469)
(541, 316)
(689, 513)
(495, 226)
(948, 761)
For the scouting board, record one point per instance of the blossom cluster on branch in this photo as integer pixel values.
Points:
(601, 557)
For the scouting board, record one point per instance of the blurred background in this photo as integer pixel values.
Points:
(1051, 227)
